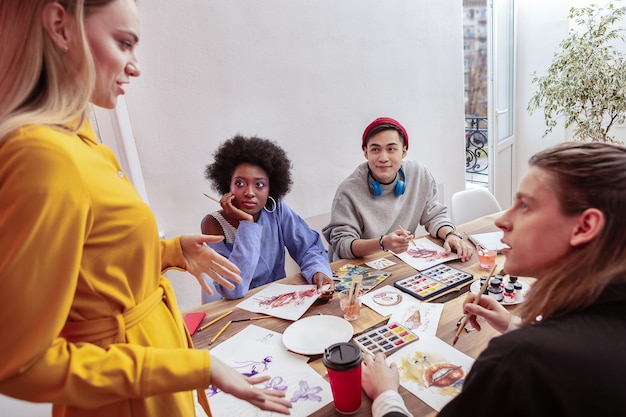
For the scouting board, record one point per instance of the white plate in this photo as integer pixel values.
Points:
(311, 335)
(475, 287)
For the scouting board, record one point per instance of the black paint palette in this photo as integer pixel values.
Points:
(387, 338)
(433, 281)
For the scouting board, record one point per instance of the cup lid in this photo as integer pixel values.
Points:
(342, 356)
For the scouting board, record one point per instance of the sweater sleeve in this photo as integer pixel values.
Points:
(389, 404)
(345, 224)
(245, 254)
(435, 214)
(304, 244)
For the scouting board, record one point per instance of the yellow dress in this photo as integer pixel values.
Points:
(88, 322)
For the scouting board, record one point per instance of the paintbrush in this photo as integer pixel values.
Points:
(407, 234)
(252, 318)
(213, 198)
(476, 300)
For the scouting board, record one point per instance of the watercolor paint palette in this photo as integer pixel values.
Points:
(433, 281)
(386, 339)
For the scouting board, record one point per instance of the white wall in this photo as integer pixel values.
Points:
(311, 75)
(308, 74)
(541, 25)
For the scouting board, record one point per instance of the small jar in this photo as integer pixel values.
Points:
(512, 279)
(518, 291)
(482, 282)
(509, 294)
(495, 290)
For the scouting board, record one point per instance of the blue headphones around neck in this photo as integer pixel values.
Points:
(377, 188)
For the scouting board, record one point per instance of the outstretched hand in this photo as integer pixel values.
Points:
(232, 382)
(202, 260)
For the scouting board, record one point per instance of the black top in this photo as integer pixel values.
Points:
(573, 365)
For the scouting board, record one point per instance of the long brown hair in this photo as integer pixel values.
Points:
(583, 175)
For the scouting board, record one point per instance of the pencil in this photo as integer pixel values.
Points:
(204, 326)
(213, 198)
(220, 332)
(252, 318)
(476, 300)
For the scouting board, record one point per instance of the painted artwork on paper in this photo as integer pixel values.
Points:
(424, 253)
(432, 370)
(288, 302)
(369, 277)
(388, 299)
(252, 352)
(419, 318)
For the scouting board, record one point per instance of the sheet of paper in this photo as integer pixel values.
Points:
(432, 370)
(288, 302)
(419, 318)
(489, 240)
(387, 300)
(258, 351)
(424, 253)
(380, 263)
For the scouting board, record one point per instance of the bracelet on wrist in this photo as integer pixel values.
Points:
(453, 232)
(380, 242)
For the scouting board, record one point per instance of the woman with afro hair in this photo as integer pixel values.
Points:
(253, 175)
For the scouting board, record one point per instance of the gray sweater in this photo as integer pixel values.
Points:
(357, 214)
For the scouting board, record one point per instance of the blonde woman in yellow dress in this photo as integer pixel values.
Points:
(89, 322)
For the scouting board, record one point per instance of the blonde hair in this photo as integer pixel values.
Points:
(39, 84)
(582, 175)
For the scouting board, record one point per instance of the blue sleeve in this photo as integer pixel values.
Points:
(304, 244)
(245, 254)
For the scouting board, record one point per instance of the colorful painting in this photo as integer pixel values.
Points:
(432, 370)
(258, 351)
(288, 302)
(369, 277)
(424, 253)
(419, 318)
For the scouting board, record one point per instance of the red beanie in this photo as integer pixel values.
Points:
(386, 121)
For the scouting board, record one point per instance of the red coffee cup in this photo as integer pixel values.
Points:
(343, 363)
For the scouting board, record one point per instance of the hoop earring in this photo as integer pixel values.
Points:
(273, 208)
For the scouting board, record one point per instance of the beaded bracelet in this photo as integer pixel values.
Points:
(380, 242)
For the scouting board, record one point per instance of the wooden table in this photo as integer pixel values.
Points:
(469, 343)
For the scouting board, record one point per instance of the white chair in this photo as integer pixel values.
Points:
(471, 204)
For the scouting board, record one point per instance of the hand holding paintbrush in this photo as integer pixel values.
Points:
(476, 300)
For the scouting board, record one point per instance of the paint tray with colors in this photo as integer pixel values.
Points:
(433, 281)
(387, 338)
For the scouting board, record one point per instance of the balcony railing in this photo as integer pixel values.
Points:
(476, 156)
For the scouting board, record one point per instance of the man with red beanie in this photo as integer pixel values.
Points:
(384, 194)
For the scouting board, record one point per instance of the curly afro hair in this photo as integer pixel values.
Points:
(254, 150)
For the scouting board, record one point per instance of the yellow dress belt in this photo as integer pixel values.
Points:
(106, 327)
(116, 325)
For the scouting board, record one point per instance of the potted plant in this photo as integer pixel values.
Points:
(586, 82)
